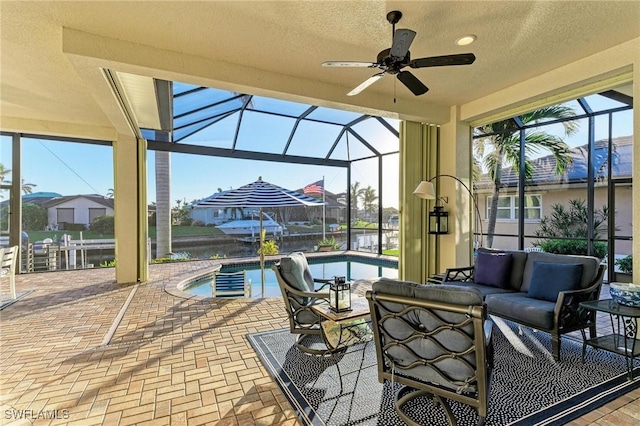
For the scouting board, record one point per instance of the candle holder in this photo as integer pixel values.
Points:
(340, 295)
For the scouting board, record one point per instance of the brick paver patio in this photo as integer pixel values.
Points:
(171, 359)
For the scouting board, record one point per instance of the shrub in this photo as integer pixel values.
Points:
(34, 217)
(578, 247)
(108, 263)
(103, 224)
(625, 264)
(197, 223)
(572, 221)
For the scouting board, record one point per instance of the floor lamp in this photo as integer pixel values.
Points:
(438, 218)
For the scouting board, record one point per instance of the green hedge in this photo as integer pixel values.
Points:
(578, 247)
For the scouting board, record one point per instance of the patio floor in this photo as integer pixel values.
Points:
(171, 359)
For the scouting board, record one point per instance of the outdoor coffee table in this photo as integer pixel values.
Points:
(342, 329)
(624, 327)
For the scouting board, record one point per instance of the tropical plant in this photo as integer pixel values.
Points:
(625, 264)
(329, 242)
(27, 188)
(572, 221)
(356, 193)
(111, 193)
(502, 149)
(268, 248)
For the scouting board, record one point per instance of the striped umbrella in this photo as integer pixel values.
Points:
(259, 194)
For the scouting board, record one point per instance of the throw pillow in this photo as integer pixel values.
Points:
(549, 279)
(493, 269)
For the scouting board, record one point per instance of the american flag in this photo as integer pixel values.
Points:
(314, 188)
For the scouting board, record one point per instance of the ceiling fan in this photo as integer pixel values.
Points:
(394, 59)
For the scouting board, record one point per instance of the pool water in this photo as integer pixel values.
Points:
(348, 268)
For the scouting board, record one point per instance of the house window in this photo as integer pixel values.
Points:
(93, 213)
(508, 207)
(65, 215)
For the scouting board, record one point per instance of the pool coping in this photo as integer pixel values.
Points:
(177, 288)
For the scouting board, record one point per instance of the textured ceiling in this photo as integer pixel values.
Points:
(517, 40)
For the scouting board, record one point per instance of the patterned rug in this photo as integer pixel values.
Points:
(528, 387)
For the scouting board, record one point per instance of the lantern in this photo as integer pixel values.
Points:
(340, 295)
(438, 221)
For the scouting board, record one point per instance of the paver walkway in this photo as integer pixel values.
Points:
(169, 360)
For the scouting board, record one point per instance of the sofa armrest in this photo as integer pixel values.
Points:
(567, 311)
(458, 274)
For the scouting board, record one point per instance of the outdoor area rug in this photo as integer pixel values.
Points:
(528, 387)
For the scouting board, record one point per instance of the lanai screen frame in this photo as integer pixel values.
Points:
(590, 114)
(225, 104)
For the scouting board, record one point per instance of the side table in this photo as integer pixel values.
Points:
(624, 326)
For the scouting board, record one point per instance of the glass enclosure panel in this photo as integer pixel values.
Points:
(262, 132)
(189, 102)
(214, 111)
(4, 217)
(377, 135)
(6, 149)
(217, 133)
(335, 116)
(598, 102)
(313, 139)
(278, 106)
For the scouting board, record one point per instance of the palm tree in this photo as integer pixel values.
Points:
(368, 199)
(506, 150)
(163, 203)
(111, 193)
(3, 173)
(27, 188)
(356, 192)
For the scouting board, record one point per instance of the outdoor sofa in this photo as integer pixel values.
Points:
(536, 289)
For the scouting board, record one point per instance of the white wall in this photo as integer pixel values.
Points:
(81, 208)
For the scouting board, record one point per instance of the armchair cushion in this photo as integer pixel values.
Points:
(549, 279)
(295, 271)
(493, 269)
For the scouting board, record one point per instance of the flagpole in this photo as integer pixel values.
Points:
(323, 210)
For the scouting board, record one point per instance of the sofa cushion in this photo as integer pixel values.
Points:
(522, 309)
(589, 264)
(493, 269)
(483, 289)
(549, 279)
(519, 259)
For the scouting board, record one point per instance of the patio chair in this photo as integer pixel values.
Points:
(230, 284)
(435, 341)
(8, 258)
(300, 295)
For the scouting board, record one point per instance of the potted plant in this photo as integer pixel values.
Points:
(328, 244)
(625, 264)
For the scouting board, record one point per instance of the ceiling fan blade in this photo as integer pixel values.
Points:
(402, 39)
(441, 61)
(368, 82)
(412, 83)
(348, 64)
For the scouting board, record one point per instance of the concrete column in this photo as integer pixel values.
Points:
(456, 248)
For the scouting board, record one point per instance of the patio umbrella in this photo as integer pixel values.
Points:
(259, 194)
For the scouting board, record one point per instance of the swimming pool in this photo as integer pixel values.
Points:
(351, 267)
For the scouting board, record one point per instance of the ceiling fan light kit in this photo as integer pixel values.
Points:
(397, 57)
